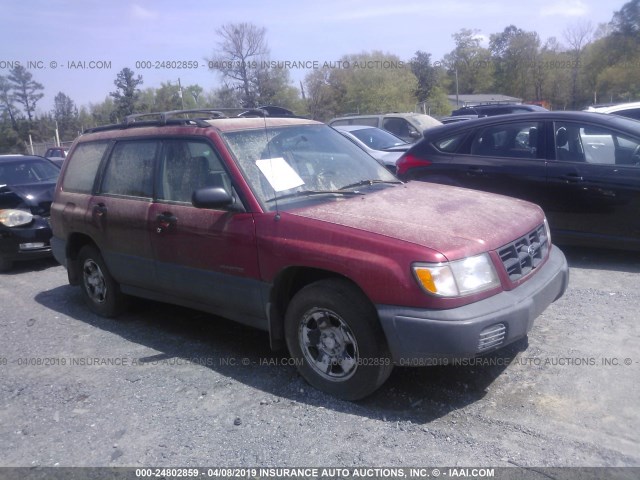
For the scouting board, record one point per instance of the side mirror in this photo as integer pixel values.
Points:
(415, 134)
(211, 197)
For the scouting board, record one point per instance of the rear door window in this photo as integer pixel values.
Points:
(82, 167)
(130, 169)
(514, 140)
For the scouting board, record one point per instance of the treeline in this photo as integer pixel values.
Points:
(587, 65)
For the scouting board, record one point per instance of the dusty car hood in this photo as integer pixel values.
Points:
(37, 197)
(457, 222)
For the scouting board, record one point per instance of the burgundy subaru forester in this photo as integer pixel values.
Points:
(285, 225)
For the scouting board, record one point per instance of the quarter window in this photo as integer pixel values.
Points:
(130, 169)
(449, 144)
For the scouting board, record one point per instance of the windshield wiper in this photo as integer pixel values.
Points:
(369, 182)
(303, 193)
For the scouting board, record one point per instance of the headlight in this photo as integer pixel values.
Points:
(455, 279)
(548, 232)
(15, 218)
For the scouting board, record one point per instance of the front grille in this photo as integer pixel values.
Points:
(521, 256)
(492, 337)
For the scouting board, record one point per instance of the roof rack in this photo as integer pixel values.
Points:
(195, 117)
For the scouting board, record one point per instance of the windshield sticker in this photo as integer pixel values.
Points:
(279, 173)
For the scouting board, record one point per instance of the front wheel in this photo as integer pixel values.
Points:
(100, 291)
(333, 331)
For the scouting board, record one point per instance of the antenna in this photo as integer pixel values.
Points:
(263, 114)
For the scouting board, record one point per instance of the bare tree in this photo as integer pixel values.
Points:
(241, 50)
(578, 36)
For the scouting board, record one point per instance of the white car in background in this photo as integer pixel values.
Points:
(380, 144)
(629, 110)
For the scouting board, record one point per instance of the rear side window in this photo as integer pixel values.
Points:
(82, 167)
(515, 140)
(130, 169)
(399, 126)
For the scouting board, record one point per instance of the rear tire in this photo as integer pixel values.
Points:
(100, 291)
(333, 333)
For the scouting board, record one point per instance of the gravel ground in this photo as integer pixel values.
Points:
(167, 386)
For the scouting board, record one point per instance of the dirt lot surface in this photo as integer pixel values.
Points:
(166, 386)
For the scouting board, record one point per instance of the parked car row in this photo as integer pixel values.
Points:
(290, 226)
(286, 225)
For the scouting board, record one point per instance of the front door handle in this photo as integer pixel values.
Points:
(475, 171)
(100, 210)
(166, 221)
(572, 177)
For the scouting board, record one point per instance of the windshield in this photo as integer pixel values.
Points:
(27, 171)
(377, 139)
(280, 162)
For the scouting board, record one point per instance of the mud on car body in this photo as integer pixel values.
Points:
(285, 225)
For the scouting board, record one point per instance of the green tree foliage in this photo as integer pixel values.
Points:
(372, 82)
(612, 62)
(437, 104)
(7, 107)
(626, 21)
(321, 96)
(469, 64)
(426, 74)
(26, 91)
(126, 94)
(65, 113)
(515, 54)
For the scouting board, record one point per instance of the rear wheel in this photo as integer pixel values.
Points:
(333, 331)
(100, 291)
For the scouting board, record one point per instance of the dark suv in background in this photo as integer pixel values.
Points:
(285, 225)
(492, 109)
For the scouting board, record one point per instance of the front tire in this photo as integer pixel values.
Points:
(332, 330)
(100, 291)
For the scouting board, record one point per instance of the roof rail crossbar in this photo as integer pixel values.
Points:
(164, 116)
(196, 117)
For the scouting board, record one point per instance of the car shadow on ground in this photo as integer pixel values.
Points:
(418, 395)
(602, 259)
(21, 267)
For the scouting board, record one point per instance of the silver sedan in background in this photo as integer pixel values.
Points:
(380, 144)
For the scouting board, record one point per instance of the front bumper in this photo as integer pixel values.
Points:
(464, 332)
(26, 243)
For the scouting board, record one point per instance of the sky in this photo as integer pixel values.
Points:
(78, 47)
